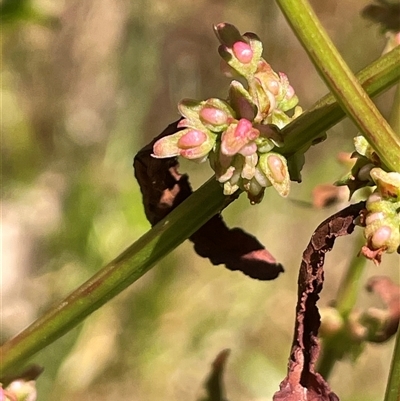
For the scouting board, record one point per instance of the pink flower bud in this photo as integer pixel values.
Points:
(381, 237)
(243, 52)
(277, 168)
(192, 139)
(213, 116)
(244, 129)
(238, 135)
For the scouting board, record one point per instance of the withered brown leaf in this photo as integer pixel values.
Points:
(303, 383)
(163, 188)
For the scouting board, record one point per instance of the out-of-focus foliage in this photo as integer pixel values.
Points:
(84, 86)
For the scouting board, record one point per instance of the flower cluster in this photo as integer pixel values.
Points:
(238, 135)
(382, 217)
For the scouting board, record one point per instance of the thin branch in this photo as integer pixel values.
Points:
(393, 384)
(341, 81)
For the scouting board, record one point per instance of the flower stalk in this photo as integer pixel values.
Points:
(341, 81)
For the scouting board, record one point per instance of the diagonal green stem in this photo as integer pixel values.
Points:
(116, 276)
(174, 229)
(341, 81)
(378, 76)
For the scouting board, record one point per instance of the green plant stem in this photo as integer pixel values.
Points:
(394, 118)
(326, 363)
(393, 385)
(350, 284)
(169, 233)
(378, 76)
(116, 276)
(345, 301)
(341, 81)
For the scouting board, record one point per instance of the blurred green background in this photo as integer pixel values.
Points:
(85, 84)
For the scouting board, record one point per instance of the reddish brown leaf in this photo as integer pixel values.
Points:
(303, 383)
(164, 188)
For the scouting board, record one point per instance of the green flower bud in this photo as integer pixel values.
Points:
(331, 322)
(189, 143)
(274, 167)
(216, 114)
(388, 183)
(242, 53)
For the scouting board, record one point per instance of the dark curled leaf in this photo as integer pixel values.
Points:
(302, 382)
(164, 188)
(236, 249)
